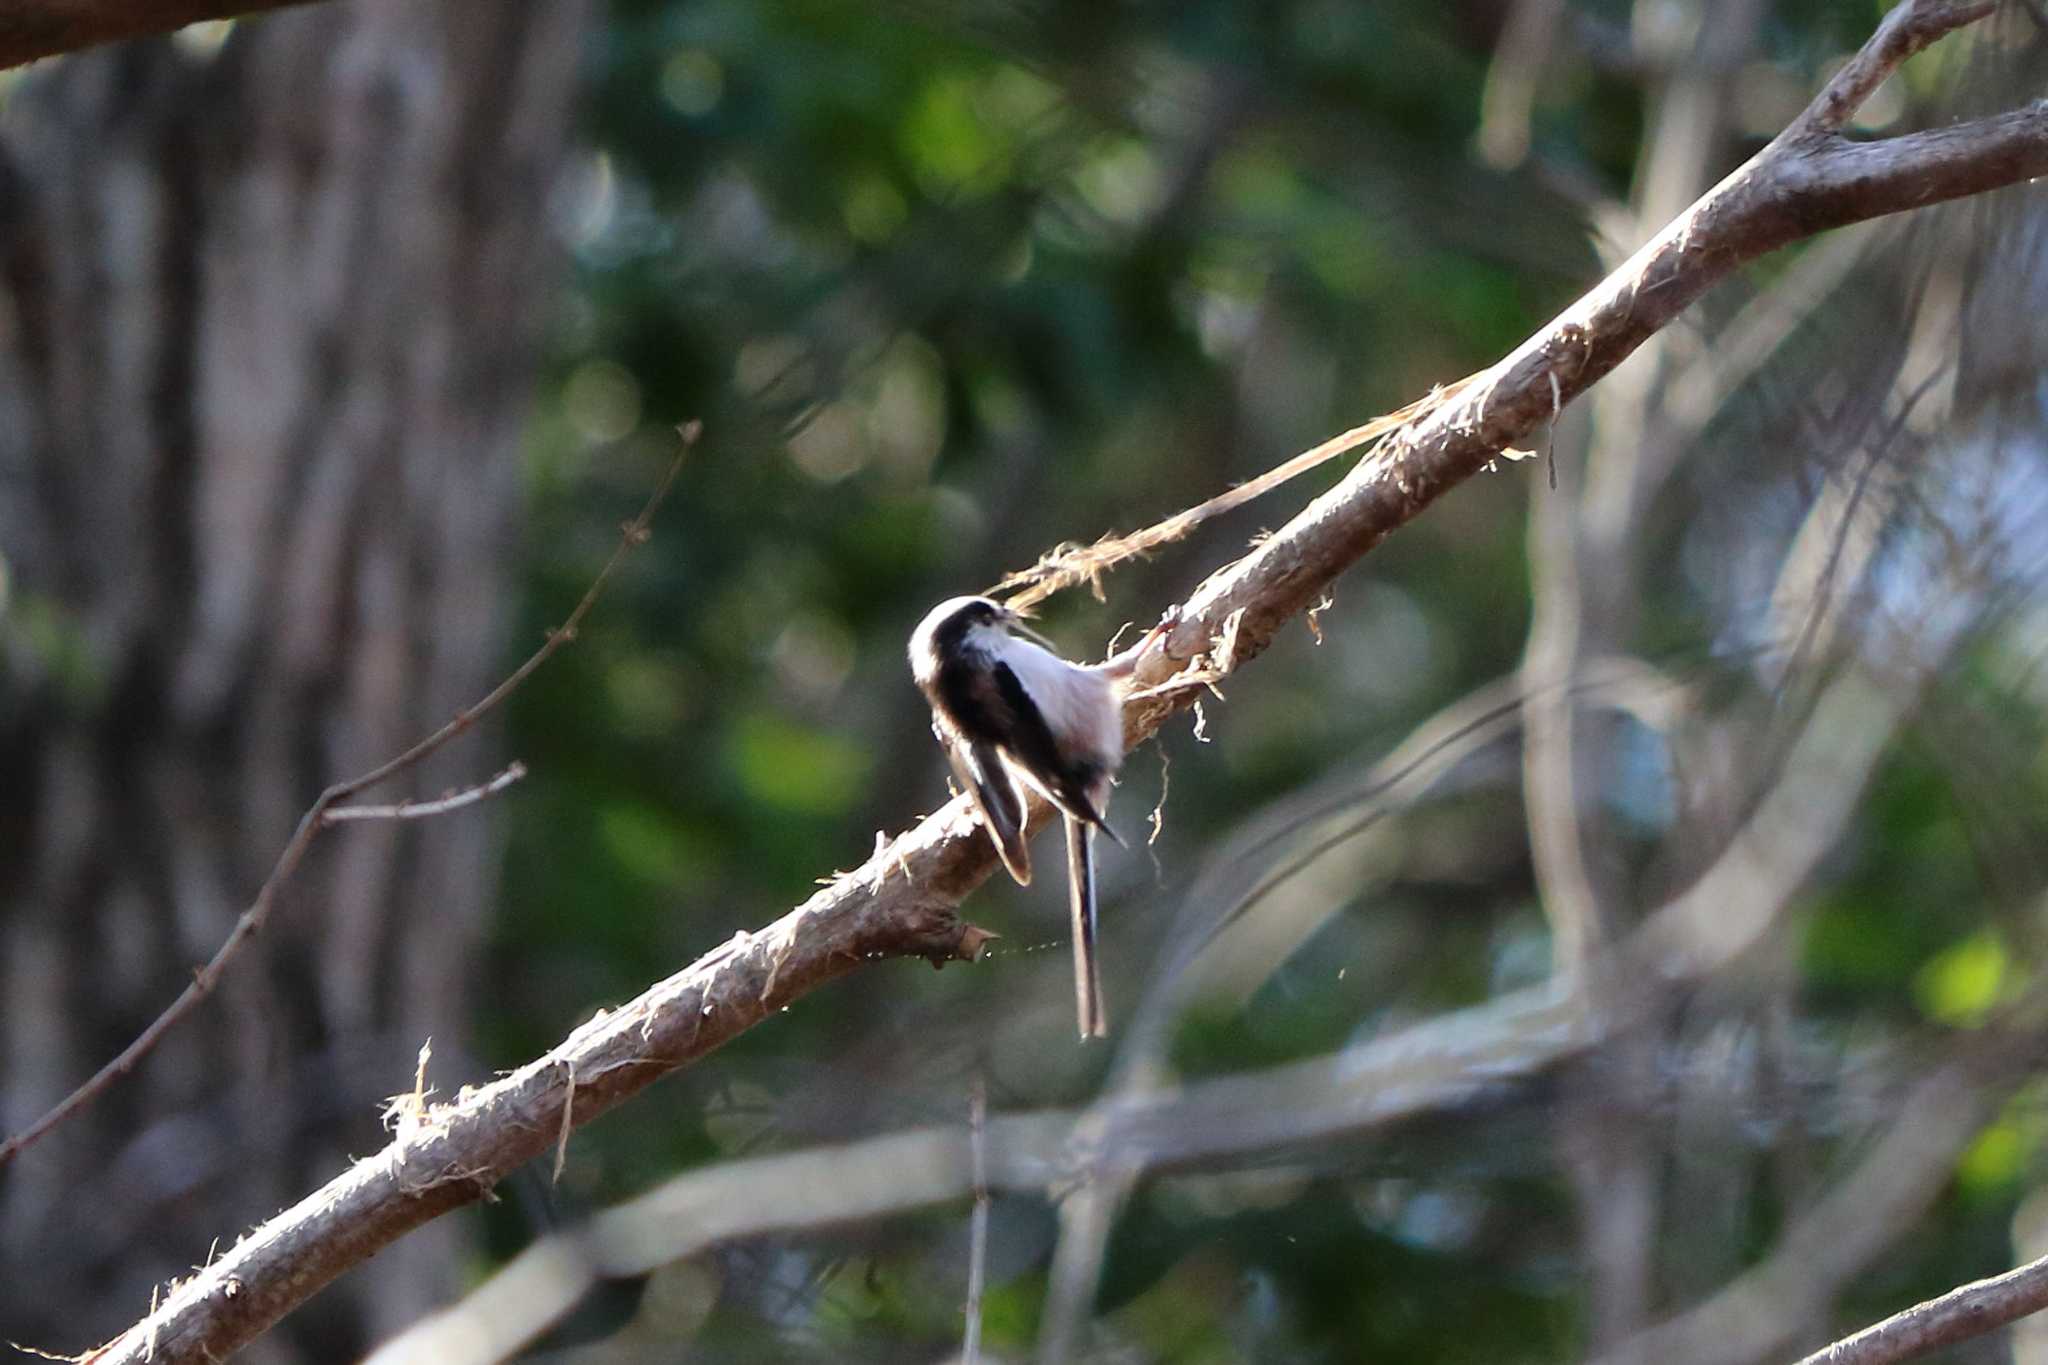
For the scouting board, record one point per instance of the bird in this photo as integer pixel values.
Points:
(1012, 714)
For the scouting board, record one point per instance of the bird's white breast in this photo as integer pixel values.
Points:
(1078, 704)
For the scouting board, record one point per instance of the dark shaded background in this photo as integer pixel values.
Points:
(331, 357)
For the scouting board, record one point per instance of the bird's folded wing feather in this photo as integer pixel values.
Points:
(980, 770)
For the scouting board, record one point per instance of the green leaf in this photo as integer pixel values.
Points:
(1961, 983)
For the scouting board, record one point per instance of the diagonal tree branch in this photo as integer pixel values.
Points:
(1438, 1064)
(902, 901)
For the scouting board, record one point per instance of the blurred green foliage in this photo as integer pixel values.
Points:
(949, 285)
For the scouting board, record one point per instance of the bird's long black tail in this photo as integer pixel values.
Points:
(1081, 895)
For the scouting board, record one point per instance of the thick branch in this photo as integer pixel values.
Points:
(1434, 1065)
(454, 1153)
(43, 28)
(902, 901)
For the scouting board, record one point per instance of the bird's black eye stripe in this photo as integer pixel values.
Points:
(952, 632)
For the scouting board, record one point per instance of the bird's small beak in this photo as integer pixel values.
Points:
(1015, 622)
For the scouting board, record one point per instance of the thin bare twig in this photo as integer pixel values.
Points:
(568, 1114)
(1581, 550)
(1905, 31)
(420, 810)
(977, 1228)
(1968, 1310)
(1068, 566)
(327, 809)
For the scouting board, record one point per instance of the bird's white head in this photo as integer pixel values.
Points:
(953, 626)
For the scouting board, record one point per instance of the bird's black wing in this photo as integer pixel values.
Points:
(980, 770)
(970, 713)
(1068, 781)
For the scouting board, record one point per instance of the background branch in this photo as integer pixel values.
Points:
(1767, 1307)
(417, 810)
(326, 810)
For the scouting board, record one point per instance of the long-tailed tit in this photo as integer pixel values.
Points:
(1013, 714)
